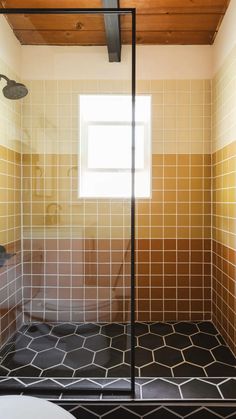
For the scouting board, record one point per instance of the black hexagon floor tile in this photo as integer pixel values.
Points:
(3, 372)
(199, 389)
(168, 356)
(188, 370)
(183, 410)
(83, 413)
(205, 341)
(161, 413)
(58, 371)
(161, 329)
(140, 329)
(97, 342)
(207, 327)
(160, 390)
(221, 340)
(38, 329)
(88, 329)
(198, 356)
(123, 342)
(122, 370)
(228, 389)
(91, 370)
(62, 330)
(18, 358)
(27, 371)
(112, 330)
(186, 328)
(142, 357)
(43, 342)
(78, 358)
(218, 369)
(7, 348)
(103, 350)
(48, 358)
(108, 358)
(121, 412)
(224, 354)
(69, 343)
(225, 411)
(203, 414)
(176, 340)
(22, 342)
(155, 370)
(150, 341)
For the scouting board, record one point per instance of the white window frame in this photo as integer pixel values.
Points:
(85, 170)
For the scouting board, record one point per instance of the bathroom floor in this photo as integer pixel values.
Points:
(179, 349)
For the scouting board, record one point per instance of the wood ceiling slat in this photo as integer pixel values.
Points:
(158, 22)
(176, 6)
(52, 3)
(173, 38)
(142, 6)
(174, 22)
(29, 37)
(96, 23)
(59, 22)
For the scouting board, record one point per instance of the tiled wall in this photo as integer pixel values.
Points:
(76, 252)
(224, 242)
(74, 273)
(224, 199)
(173, 270)
(10, 214)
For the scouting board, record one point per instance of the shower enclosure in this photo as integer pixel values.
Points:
(100, 187)
(74, 316)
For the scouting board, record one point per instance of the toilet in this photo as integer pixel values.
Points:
(27, 407)
(90, 308)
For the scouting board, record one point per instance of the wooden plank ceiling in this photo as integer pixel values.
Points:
(159, 22)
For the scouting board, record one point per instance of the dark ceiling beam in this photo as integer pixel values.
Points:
(112, 29)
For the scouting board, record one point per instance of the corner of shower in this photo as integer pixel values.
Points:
(95, 183)
(75, 324)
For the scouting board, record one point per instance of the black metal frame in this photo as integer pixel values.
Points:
(107, 11)
(112, 28)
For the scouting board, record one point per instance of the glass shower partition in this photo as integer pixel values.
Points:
(77, 152)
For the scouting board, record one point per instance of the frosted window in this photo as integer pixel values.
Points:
(106, 146)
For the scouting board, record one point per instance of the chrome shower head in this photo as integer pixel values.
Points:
(13, 90)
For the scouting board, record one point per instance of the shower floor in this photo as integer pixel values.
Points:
(179, 349)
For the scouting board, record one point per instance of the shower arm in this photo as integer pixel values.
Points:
(4, 77)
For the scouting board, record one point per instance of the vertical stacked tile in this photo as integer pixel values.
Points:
(173, 227)
(77, 252)
(224, 198)
(10, 214)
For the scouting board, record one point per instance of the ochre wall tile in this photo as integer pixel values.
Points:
(224, 242)
(172, 219)
(10, 237)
